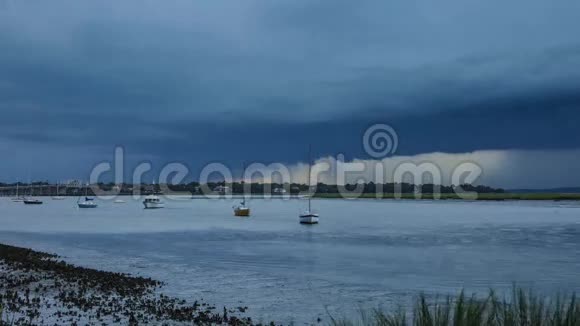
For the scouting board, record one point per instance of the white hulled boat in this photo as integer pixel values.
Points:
(152, 202)
(88, 202)
(241, 209)
(308, 216)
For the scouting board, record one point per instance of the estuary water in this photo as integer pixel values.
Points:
(363, 254)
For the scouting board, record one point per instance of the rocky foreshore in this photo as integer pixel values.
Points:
(38, 288)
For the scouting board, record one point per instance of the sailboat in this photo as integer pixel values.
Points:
(242, 209)
(58, 196)
(31, 201)
(309, 217)
(17, 198)
(88, 202)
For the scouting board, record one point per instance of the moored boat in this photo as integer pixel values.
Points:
(309, 217)
(153, 202)
(31, 201)
(88, 202)
(242, 209)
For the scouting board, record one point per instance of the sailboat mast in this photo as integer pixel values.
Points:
(243, 183)
(309, 176)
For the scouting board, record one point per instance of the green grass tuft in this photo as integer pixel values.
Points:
(524, 308)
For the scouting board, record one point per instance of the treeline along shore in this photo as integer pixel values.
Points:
(452, 196)
(38, 288)
(364, 190)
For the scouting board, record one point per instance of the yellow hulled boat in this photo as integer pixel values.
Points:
(242, 209)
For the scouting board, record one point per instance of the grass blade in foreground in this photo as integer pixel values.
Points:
(523, 309)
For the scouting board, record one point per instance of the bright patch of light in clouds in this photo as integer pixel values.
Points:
(500, 168)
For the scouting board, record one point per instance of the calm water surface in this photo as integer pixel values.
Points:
(364, 253)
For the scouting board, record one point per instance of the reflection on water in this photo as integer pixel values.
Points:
(363, 254)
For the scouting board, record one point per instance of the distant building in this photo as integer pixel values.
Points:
(74, 183)
(222, 190)
(279, 191)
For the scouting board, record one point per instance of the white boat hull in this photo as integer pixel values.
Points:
(309, 218)
(87, 205)
(150, 205)
(58, 198)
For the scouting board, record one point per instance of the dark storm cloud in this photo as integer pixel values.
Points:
(260, 79)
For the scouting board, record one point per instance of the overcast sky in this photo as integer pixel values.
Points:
(233, 81)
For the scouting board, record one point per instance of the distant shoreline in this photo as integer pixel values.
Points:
(452, 196)
(530, 196)
(409, 196)
(236, 190)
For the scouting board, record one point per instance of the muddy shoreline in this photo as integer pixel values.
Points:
(38, 288)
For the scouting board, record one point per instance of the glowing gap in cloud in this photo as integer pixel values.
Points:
(500, 168)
